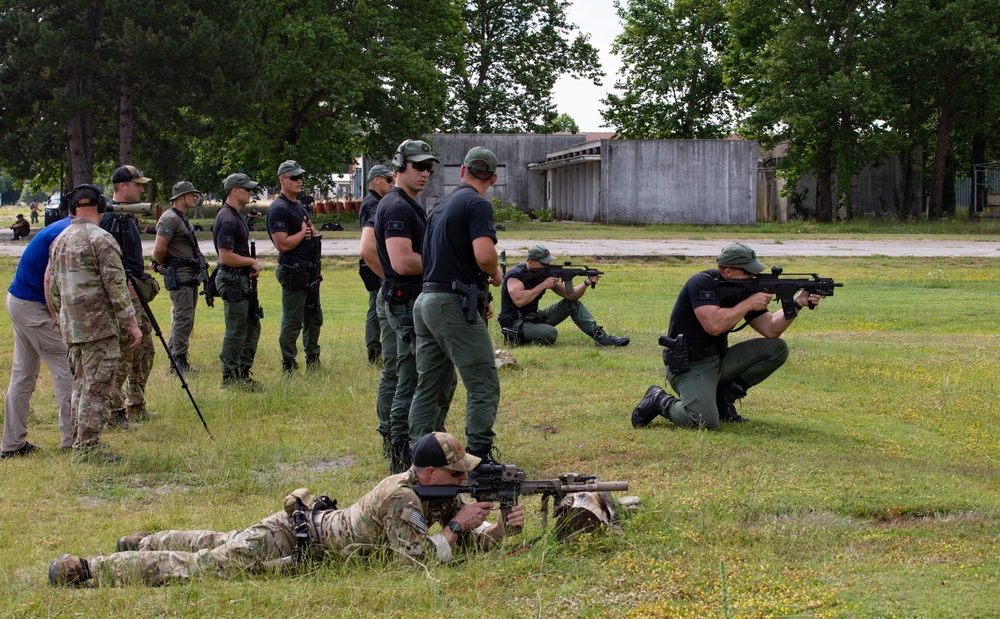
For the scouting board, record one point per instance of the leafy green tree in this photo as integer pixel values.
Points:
(672, 78)
(515, 51)
(556, 123)
(804, 72)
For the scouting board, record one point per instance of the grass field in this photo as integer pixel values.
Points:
(866, 484)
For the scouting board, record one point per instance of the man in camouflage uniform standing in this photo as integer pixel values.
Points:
(178, 259)
(391, 515)
(135, 362)
(88, 293)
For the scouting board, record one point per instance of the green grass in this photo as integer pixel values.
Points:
(866, 484)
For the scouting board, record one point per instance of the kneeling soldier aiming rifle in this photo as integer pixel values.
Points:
(706, 373)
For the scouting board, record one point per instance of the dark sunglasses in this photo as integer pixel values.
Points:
(423, 166)
(295, 178)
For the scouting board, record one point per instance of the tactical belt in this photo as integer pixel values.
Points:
(697, 352)
(236, 270)
(439, 287)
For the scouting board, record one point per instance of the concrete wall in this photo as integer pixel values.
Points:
(876, 191)
(678, 181)
(513, 151)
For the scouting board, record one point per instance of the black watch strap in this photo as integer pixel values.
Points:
(455, 527)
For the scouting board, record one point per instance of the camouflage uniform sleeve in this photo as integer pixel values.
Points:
(113, 275)
(55, 296)
(406, 530)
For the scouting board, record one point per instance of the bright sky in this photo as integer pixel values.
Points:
(580, 98)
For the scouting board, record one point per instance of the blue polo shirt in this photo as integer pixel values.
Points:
(29, 279)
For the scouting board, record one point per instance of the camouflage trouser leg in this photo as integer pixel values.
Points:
(93, 365)
(142, 362)
(269, 544)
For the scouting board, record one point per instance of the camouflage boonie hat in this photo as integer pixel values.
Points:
(442, 450)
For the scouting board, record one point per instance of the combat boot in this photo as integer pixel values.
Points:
(229, 379)
(653, 404)
(246, 382)
(96, 455)
(138, 413)
(289, 367)
(725, 399)
(131, 541)
(603, 339)
(119, 420)
(386, 446)
(486, 455)
(183, 365)
(400, 457)
(312, 362)
(69, 571)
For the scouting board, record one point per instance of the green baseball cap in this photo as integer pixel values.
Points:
(290, 167)
(540, 253)
(481, 160)
(377, 171)
(238, 180)
(417, 151)
(743, 256)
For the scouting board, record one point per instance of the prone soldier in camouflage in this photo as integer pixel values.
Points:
(135, 362)
(177, 257)
(88, 293)
(391, 515)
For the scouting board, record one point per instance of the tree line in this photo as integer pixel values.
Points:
(196, 90)
(846, 83)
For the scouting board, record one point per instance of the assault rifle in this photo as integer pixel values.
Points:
(566, 274)
(504, 483)
(256, 312)
(784, 288)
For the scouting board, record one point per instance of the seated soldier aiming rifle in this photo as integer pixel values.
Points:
(523, 286)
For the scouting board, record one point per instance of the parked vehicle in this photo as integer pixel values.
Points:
(52, 212)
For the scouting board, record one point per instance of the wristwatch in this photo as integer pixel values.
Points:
(456, 527)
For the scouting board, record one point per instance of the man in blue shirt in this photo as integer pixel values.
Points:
(36, 339)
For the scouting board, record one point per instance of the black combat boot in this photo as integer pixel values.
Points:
(653, 404)
(246, 381)
(386, 446)
(182, 365)
(289, 366)
(725, 399)
(487, 455)
(603, 339)
(229, 379)
(312, 362)
(400, 457)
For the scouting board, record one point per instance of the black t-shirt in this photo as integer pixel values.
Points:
(229, 231)
(286, 216)
(399, 216)
(703, 289)
(530, 279)
(366, 212)
(109, 221)
(462, 217)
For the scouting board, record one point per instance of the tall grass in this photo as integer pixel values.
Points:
(865, 485)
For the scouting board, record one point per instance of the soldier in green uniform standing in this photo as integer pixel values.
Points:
(399, 232)
(236, 267)
(177, 257)
(297, 242)
(460, 260)
(88, 293)
(391, 515)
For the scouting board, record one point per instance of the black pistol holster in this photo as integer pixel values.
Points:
(675, 354)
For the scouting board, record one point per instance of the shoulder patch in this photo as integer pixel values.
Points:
(415, 518)
(707, 295)
(395, 225)
(278, 224)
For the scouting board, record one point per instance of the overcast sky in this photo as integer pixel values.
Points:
(580, 98)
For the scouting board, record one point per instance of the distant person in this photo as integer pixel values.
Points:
(34, 212)
(21, 228)
(379, 183)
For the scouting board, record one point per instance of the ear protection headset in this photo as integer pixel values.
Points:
(73, 201)
(399, 159)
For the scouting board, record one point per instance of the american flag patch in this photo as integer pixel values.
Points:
(417, 520)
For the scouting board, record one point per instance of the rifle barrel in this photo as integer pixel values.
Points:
(599, 486)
